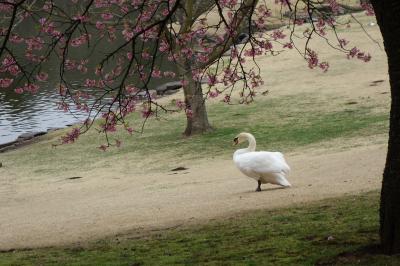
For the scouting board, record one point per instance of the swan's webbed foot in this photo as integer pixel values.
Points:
(258, 189)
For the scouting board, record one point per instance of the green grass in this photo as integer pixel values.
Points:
(284, 123)
(333, 231)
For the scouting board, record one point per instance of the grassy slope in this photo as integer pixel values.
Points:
(333, 231)
(305, 120)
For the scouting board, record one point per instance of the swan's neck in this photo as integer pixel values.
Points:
(250, 148)
(252, 143)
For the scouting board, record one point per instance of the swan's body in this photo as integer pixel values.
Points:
(263, 166)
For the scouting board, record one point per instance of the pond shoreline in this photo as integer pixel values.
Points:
(26, 139)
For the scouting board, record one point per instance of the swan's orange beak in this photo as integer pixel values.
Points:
(235, 141)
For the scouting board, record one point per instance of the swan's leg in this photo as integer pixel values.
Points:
(258, 189)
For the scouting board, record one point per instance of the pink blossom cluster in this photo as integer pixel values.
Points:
(15, 38)
(71, 137)
(213, 94)
(255, 79)
(324, 66)
(180, 104)
(51, 30)
(313, 61)
(212, 80)
(42, 76)
(164, 46)
(369, 10)
(169, 74)
(82, 107)
(129, 130)
(78, 41)
(263, 11)
(35, 43)
(147, 112)
(298, 22)
(334, 6)
(5, 82)
(33, 57)
(81, 18)
(156, 73)
(6, 8)
(9, 65)
(127, 106)
(109, 123)
(283, 2)
(189, 112)
(227, 98)
(70, 64)
(266, 45)
(230, 76)
(343, 42)
(31, 88)
(254, 51)
(90, 83)
(228, 3)
(288, 45)
(107, 16)
(131, 89)
(312, 58)
(47, 6)
(355, 52)
(278, 34)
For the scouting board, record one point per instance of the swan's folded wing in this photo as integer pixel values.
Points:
(263, 162)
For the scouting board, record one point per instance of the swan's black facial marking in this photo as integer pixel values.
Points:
(236, 141)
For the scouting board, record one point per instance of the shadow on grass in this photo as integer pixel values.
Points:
(365, 255)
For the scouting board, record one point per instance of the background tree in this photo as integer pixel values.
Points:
(130, 41)
(110, 52)
(199, 55)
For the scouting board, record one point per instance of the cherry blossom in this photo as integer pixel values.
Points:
(5, 82)
(118, 49)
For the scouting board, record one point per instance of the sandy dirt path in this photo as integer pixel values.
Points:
(45, 213)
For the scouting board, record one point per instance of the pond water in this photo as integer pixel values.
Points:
(32, 113)
(28, 113)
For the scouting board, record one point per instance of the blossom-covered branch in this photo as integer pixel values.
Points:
(111, 53)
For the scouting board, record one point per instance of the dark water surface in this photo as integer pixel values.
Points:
(23, 113)
(32, 113)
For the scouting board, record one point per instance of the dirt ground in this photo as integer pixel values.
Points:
(46, 214)
(105, 202)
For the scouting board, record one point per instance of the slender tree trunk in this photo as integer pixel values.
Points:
(196, 114)
(387, 14)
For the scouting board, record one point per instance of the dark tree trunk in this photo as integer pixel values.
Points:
(196, 118)
(388, 17)
(196, 113)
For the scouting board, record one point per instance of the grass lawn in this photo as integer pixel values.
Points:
(330, 232)
(306, 119)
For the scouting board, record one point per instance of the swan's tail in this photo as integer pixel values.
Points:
(283, 181)
(276, 179)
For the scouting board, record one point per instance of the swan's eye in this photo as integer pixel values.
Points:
(235, 140)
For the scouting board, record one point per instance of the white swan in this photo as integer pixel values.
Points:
(263, 166)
